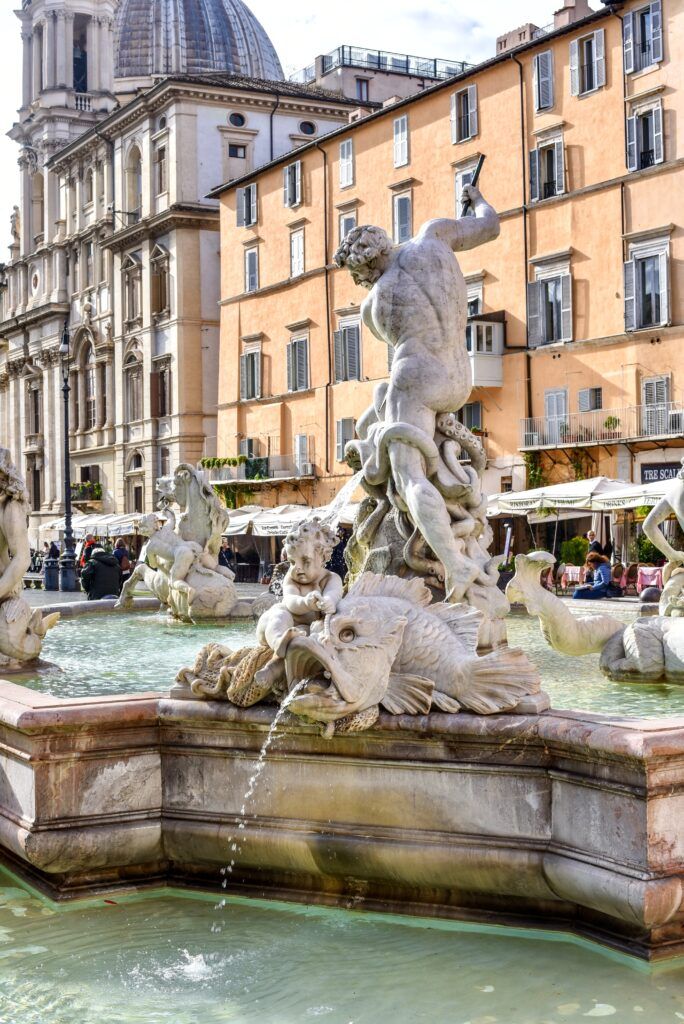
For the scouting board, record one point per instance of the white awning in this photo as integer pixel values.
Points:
(575, 494)
(279, 521)
(633, 496)
(100, 525)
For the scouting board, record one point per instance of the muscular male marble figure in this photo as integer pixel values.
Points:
(418, 305)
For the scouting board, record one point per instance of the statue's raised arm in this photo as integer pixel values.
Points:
(466, 232)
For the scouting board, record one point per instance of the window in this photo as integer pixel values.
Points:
(550, 310)
(247, 206)
(345, 430)
(643, 37)
(251, 269)
(587, 63)
(362, 92)
(250, 375)
(160, 182)
(89, 187)
(292, 184)
(90, 371)
(346, 163)
(347, 353)
(646, 291)
(162, 123)
(401, 217)
(298, 364)
(480, 338)
(164, 462)
(547, 170)
(159, 280)
(543, 80)
(506, 484)
(464, 114)
(161, 383)
(645, 145)
(471, 415)
(347, 224)
(401, 145)
(301, 454)
(35, 411)
(463, 177)
(132, 280)
(134, 185)
(657, 415)
(89, 253)
(133, 387)
(237, 152)
(248, 447)
(474, 305)
(237, 120)
(590, 399)
(555, 415)
(296, 253)
(307, 127)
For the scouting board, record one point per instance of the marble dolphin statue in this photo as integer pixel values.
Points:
(646, 650)
(388, 645)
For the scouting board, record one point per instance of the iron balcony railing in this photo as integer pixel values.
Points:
(604, 426)
(549, 189)
(384, 60)
(646, 158)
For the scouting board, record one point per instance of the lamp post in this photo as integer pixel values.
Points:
(67, 562)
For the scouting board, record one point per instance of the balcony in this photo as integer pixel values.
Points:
(34, 444)
(87, 493)
(83, 101)
(383, 60)
(604, 426)
(256, 471)
(485, 342)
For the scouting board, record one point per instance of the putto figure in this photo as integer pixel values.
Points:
(408, 446)
(310, 592)
(22, 629)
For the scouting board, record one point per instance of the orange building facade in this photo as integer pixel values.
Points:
(577, 309)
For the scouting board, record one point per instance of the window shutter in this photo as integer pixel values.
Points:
(628, 43)
(351, 344)
(534, 323)
(472, 111)
(301, 451)
(543, 74)
(241, 207)
(574, 68)
(253, 204)
(302, 368)
(298, 183)
(243, 377)
(454, 118)
(632, 143)
(566, 307)
(656, 31)
(339, 428)
(658, 147)
(585, 400)
(286, 186)
(664, 290)
(630, 295)
(339, 357)
(534, 175)
(600, 57)
(256, 356)
(290, 366)
(560, 167)
(656, 391)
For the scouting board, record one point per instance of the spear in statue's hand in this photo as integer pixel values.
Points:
(476, 177)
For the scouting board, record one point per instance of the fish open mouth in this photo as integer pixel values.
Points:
(319, 697)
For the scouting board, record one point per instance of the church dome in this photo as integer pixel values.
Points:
(191, 37)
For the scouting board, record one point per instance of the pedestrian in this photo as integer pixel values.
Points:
(123, 557)
(595, 546)
(53, 550)
(226, 556)
(88, 548)
(600, 567)
(101, 576)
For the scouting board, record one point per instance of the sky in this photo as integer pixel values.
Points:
(451, 29)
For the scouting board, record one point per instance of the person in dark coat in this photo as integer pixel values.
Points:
(594, 545)
(53, 551)
(101, 576)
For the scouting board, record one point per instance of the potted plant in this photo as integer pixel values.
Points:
(506, 573)
(611, 425)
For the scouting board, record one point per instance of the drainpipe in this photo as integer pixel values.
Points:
(623, 211)
(270, 126)
(328, 310)
(523, 157)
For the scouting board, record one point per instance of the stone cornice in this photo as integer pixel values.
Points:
(185, 216)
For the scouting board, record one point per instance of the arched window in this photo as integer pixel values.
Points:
(159, 265)
(37, 208)
(134, 185)
(133, 378)
(135, 483)
(89, 187)
(90, 371)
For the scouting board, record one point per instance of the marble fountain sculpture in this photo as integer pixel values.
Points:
(179, 562)
(647, 650)
(418, 767)
(22, 628)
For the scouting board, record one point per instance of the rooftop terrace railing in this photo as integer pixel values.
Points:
(383, 60)
(604, 426)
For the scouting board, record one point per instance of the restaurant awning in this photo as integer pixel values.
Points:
(100, 525)
(632, 496)
(279, 521)
(579, 494)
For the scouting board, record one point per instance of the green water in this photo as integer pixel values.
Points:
(175, 958)
(140, 652)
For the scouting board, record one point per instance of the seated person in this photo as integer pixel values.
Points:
(101, 576)
(600, 569)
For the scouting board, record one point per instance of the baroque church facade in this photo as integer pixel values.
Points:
(132, 111)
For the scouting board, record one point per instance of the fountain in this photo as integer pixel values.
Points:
(419, 768)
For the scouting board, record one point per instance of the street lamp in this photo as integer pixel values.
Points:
(67, 562)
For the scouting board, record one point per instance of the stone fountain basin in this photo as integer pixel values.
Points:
(565, 819)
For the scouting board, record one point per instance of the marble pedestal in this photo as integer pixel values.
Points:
(571, 820)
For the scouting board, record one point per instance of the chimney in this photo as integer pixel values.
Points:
(570, 12)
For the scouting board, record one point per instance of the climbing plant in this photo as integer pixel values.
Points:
(535, 470)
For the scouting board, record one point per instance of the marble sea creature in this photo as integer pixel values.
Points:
(646, 650)
(22, 628)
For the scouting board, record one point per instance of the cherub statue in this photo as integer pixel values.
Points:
(310, 592)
